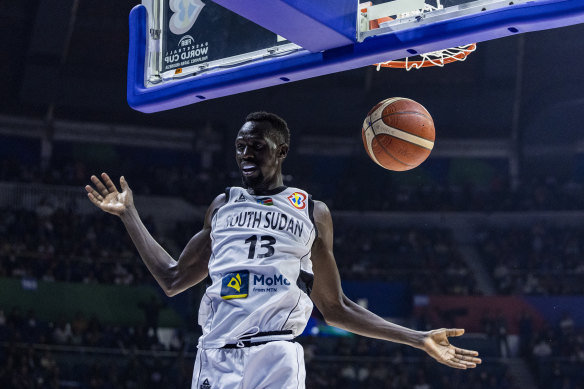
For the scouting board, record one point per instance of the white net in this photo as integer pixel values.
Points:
(434, 58)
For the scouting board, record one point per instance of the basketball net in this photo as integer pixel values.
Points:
(434, 58)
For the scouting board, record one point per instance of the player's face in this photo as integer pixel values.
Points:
(259, 156)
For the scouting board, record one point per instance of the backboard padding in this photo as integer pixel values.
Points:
(393, 43)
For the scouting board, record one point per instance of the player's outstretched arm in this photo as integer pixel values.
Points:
(340, 311)
(172, 276)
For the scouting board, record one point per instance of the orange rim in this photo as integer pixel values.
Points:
(425, 63)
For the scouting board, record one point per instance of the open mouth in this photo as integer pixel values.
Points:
(248, 168)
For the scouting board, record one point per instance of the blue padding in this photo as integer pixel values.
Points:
(304, 64)
(137, 94)
(315, 25)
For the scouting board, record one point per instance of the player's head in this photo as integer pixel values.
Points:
(278, 129)
(261, 146)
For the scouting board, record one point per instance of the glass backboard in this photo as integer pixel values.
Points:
(190, 37)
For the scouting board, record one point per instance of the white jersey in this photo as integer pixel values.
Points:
(260, 267)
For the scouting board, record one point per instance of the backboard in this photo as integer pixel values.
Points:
(187, 51)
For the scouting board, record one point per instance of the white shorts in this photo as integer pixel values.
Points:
(273, 365)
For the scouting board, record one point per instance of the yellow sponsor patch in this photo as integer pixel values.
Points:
(235, 285)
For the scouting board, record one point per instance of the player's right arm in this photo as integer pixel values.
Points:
(172, 276)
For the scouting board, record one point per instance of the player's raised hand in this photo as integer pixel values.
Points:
(106, 197)
(436, 344)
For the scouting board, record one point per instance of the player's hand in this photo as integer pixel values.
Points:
(437, 346)
(106, 197)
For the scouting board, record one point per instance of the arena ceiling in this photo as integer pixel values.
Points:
(75, 67)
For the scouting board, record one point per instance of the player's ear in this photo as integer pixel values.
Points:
(283, 150)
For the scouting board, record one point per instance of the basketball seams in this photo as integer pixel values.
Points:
(404, 113)
(373, 156)
(369, 144)
(425, 116)
(406, 136)
(369, 139)
(390, 154)
(409, 107)
(378, 112)
(385, 149)
(394, 132)
(395, 147)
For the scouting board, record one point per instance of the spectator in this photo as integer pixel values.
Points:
(566, 324)
(542, 349)
(502, 339)
(62, 333)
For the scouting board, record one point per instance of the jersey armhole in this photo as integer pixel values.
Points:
(311, 215)
(227, 190)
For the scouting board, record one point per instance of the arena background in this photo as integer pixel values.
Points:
(487, 234)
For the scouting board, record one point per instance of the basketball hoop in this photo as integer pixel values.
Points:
(401, 9)
(435, 58)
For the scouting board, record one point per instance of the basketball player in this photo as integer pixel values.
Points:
(268, 250)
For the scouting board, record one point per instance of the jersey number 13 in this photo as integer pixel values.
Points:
(267, 243)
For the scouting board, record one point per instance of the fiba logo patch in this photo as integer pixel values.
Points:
(298, 200)
(186, 41)
(185, 14)
(235, 285)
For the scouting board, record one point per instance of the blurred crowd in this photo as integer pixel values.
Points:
(44, 368)
(82, 352)
(56, 244)
(556, 355)
(85, 353)
(539, 259)
(398, 374)
(412, 255)
(357, 362)
(343, 186)
(82, 331)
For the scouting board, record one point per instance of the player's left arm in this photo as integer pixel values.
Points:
(340, 311)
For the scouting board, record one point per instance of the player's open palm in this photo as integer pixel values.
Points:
(438, 347)
(106, 196)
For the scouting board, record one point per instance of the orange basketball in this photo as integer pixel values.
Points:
(398, 134)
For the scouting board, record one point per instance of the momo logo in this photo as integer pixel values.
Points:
(260, 279)
(235, 285)
(268, 284)
(185, 14)
(298, 200)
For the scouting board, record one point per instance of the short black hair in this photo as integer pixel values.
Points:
(279, 125)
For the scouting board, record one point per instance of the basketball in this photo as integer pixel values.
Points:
(398, 134)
